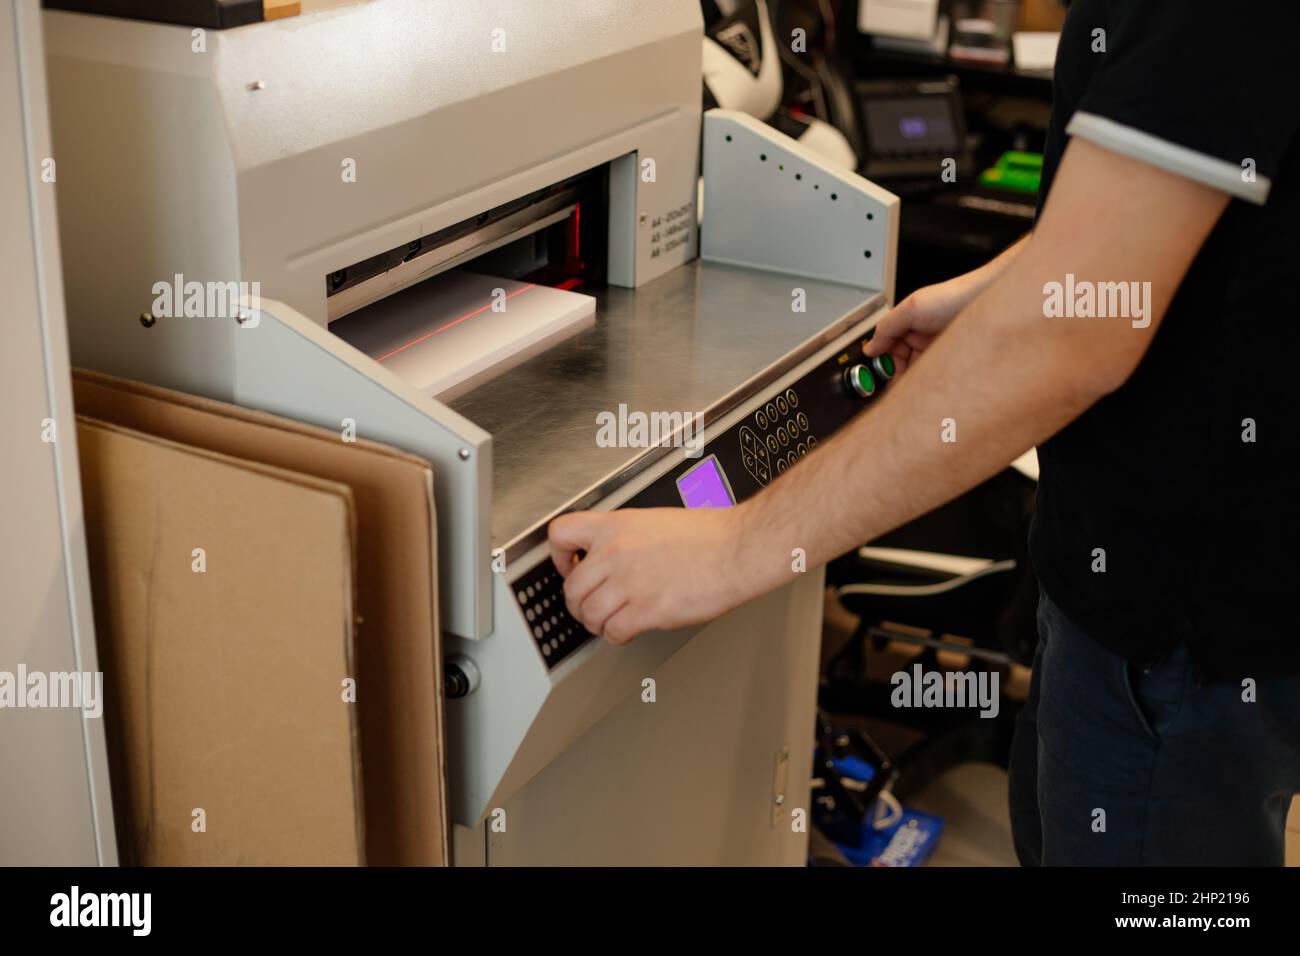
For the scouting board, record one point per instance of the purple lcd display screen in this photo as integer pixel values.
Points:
(705, 486)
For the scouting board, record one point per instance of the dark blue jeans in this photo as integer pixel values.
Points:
(1115, 766)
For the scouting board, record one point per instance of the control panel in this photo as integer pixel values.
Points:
(782, 430)
(540, 593)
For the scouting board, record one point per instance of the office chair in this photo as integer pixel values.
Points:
(749, 67)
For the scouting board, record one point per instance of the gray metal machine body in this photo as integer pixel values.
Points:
(231, 165)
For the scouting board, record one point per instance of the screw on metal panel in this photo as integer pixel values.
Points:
(147, 319)
(642, 218)
(464, 454)
(257, 85)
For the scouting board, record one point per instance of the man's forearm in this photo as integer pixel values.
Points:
(1002, 378)
(990, 388)
(995, 267)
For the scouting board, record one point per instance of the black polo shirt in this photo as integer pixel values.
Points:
(1186, 480)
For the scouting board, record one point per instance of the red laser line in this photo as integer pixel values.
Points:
(467, 315)
(575, 234)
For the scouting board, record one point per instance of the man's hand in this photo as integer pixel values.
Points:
(647, 568)
(911, 326)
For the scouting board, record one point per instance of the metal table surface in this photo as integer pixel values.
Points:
(698, 339)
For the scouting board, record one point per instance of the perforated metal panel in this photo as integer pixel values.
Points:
(815, 220)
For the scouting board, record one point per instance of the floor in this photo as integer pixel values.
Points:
(972, 799)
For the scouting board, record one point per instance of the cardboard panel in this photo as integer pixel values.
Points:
(399, 660)
(230, 741)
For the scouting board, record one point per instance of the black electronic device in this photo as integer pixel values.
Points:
(911, 128)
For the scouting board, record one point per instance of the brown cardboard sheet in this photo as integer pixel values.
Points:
(223, 594)
(399, 662)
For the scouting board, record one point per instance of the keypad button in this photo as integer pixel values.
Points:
(556, 633)
(792, 398)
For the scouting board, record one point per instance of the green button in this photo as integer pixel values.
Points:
(886, 365)
(866, 384)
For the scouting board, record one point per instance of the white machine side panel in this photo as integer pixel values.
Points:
(55, 803)
(689, 779)
(484, 728)
(854, 221)
(286, 364)
(521, 717)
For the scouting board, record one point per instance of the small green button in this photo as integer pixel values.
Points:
(861, 381)
(885, 365)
